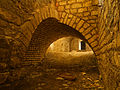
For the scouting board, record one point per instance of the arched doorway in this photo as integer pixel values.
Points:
(47, 32)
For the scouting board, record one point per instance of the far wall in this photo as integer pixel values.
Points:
(67, 44)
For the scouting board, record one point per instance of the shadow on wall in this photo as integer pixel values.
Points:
(68, 44)
(46, 33)
(69, 52)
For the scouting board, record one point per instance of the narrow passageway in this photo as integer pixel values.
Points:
(31, 60)
(67, 65)
(57, 75)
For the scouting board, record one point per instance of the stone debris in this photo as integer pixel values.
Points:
(83, 73)
(60, 78)
(68, 76)
(96, 81)
(89, 79)
(97, 84)
(69, 82)
(66, 85)
(43, 77)
(42, 84)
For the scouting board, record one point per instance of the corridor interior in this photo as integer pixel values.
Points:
(69, 64)
(59, 44)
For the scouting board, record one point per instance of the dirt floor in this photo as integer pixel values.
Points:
(70, 59)
(49, 75)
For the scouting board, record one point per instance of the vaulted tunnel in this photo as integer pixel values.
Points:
(47, 32)
(28, 27)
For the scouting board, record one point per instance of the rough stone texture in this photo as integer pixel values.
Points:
(61, 45)
(3, 77)
(74, 44)
(68, 59)
(19, 20)
(109, 46)
(46, 34)
(66, 44)
(81, 15)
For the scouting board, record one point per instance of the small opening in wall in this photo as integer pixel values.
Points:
(83, 45)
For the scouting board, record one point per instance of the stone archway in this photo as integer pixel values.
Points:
(20, 18)
(47, 32)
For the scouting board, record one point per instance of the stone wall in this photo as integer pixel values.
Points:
(47, 32)
(61, 45)
(19, 20)
(88, 47)
(74, 44)
(85, 24)
(67, 44)
(109, 44)
(81, 15)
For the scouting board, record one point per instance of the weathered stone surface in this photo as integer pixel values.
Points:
(16, 74)
(15, 62)
(87, 4)
(63, 3)
(108, 50)
(14, 14)
(79, 25)
(61, 45)
(76, 5)
(3, 66)
(73, 11)
(94, 13)
(68, 76)
(71, 1)
(39, 38)
(88, 36)
(3, 77)
(61, 8)
(82, 10)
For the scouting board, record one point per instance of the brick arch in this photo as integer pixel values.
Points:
(79, 24)
(20, 18)
(22, 25)
(86, 29)
(47, 32)
(86, 24)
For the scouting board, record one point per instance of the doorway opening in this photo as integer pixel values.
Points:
(58, 59)
(71, 64)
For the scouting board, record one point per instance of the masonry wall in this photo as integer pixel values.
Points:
(109, 44)
(61, 45)
(47, 32)
(81, 15)
(88, 47)
(18, 21)
(67, 44)
(74, 44)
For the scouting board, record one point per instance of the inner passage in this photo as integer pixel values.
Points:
(70, 52)
(70, 64)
